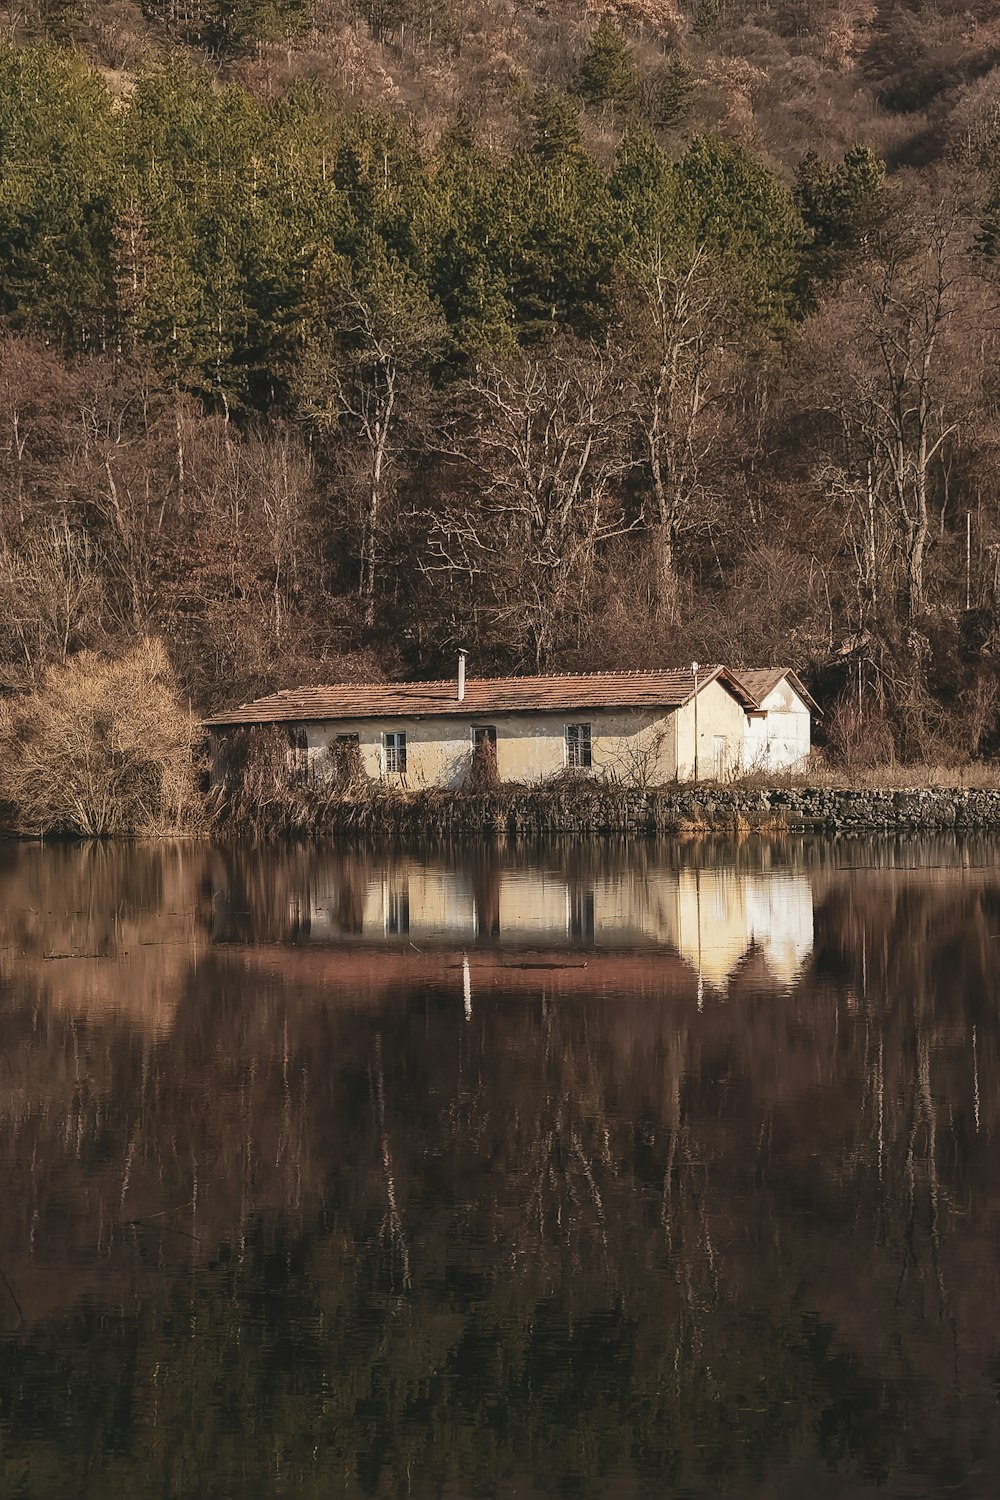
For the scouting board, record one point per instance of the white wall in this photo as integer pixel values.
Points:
(638, 748)
(721, 723)
(630, 747)
(779, 738)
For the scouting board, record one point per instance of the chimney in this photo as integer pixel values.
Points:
(461, 677)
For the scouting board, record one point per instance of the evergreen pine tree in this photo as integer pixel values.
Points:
(57, 196)
(738, 209)
(839, 207)
(555, 124)
(607, 72)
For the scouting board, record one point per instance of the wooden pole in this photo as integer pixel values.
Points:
(694, 670)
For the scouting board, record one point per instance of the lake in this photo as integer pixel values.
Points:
(586, 1170)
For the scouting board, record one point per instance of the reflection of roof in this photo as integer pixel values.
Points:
(759, 681)
(484, 695)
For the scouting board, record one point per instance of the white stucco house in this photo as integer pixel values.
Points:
(778, 733)
(636, 728)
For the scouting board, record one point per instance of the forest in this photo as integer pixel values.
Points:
(338, 335)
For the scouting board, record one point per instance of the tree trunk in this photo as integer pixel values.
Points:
(368, 554)
(665, 582)
(916, 548)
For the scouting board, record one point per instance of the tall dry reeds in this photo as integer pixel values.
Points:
(258, 794)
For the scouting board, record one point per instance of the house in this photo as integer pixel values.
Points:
(777, 732)
(639, 728)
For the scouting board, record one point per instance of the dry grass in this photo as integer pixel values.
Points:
(972, 776)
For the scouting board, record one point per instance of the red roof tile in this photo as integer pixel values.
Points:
(759, 681)
(483, 696)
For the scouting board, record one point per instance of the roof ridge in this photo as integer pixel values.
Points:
(407, 682)
(667, 687)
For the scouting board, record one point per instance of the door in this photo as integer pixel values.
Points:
(719, 757)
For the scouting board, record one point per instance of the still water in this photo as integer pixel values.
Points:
(588, 1170)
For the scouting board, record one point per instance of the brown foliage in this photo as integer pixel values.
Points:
(544, 457)
(699, 494)
(102, 747)
(261, 793)
(485, 773)
(858, 736)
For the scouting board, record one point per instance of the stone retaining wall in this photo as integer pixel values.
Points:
(585, 809)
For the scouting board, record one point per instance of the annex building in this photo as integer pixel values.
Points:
(635, 728)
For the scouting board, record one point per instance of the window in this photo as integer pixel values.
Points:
(484, 733)
(578, 745)
(298, 752)
(395, 753)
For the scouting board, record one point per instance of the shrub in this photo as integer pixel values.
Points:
(257, 794)
(485, 774)
(858, 737)
(348, 768)
(102, 747)
(253, 783)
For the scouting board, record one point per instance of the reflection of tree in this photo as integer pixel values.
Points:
(917, 954)
(392, 1224)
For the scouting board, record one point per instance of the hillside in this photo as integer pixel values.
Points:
(916, 81)
(587, 337)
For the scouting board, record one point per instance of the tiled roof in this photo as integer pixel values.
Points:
(483, 696)
(759, 681)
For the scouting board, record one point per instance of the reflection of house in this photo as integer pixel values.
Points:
(780, 922)
(399, 900)
(367, 976)
(777, 733)
(536, 905)
(711, 917)
(642, 728)
(411, 900)
(722, 914)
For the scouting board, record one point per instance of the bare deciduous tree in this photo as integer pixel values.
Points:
(388, 331)
(678, 351)
(893, 339)
(544, 460)
(51, 591)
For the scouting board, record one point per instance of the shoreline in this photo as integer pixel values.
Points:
(302, 813)
(615, 811)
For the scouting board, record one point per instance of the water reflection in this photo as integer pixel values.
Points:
(713, 916)
(104, 931)
(364, 1174)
